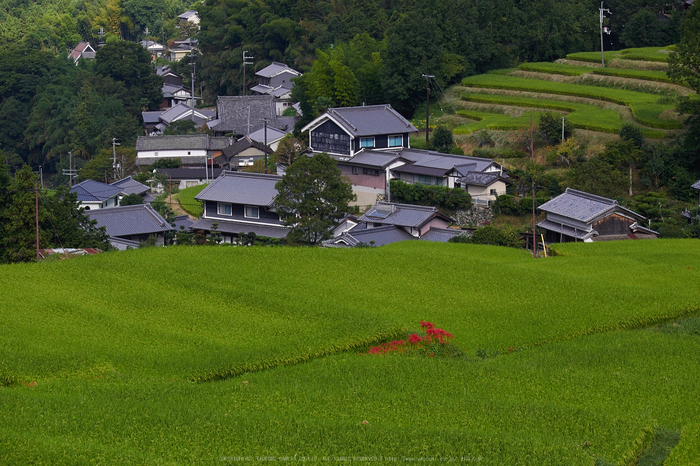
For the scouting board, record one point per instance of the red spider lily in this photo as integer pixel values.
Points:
(414, 338)
(427, 325)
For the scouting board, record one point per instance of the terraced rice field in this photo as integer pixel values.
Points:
(584, 94)
(234, 354)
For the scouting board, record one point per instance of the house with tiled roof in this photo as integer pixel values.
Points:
(344, 131)
(581, 216)
(389, 222)
(82, 50)
(241, 203)
(129, 225)
(195, 150)
(156, 121)
(94, 195)
(189, 176)
(129, 185)
(371, 146)
(276, 80)
(242, 115)
(242, 153)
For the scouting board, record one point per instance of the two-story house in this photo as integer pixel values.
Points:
(241, 203)
(276, 80)
(93, 195)
(197, 150)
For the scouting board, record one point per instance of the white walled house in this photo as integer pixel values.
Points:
(94, 195)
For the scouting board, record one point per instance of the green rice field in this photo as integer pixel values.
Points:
(187, 355)
(188, 202)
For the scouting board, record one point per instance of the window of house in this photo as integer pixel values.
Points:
(370, 171)
(366, 142)
(424, 179)
(252, 211)
(355, 170)
(224, 208)
(395, 141)
(493, 192)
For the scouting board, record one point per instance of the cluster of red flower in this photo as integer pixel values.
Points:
(415, 341)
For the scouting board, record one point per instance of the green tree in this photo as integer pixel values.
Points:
(442, 140)
(19, 239)
(288, 149)
(596, 176)
(181, 127)
(68, 226)
(131, 199)
(130, 63)
(550, 128)
(312, 197)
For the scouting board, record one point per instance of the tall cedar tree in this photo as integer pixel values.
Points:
(312, 197)
(19, 226)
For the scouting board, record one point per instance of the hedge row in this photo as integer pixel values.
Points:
(436, 196)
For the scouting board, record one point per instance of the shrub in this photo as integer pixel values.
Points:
(436, 196)
(493, 236)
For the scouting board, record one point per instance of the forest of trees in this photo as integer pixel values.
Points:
(351, 51)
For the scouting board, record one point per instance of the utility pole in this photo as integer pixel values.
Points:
(36, 216)
(245, 62)
(114, 157)
(532, 175)
(265, 131)
(192, 65)
(427, 108)
(603, 30)
(70, 172)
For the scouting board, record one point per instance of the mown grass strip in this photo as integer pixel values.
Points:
(687, 451)
(188, 202)
(655, 54)
(284, 362)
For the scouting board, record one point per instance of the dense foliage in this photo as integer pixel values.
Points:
(436, 196)
(312, 197)
(62, 223)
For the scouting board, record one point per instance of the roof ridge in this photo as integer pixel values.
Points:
(592, 197)
(410, 206)
(334, 111)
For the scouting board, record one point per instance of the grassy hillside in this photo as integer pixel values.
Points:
(98, 354)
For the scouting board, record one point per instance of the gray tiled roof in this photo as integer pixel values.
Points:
(183, 221)
(372, 236)
(420, 170)
(368, 120)
(434, 159)
(273, 134)
(241, 188)
(404, 215)
(232, 112)
(152, 116)
(480, 179)
(442, 235)
(696, 185)
(230, 226)
(274, 69)
(170, 89)
(244, 143)
(129, 185)
(584, 207)
(130, 220)
(182, 142)
(188, 173)
(373, 158)
(94, 191)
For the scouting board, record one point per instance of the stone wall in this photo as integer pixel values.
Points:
(475, 216)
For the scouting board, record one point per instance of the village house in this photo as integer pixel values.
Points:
(371, 145)
(390, 222)
(239, 204)
(580, 216)
(196, 150)
(94, 195)
(276, 80)
(82, 50)
(127, 226)
(238, 116)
